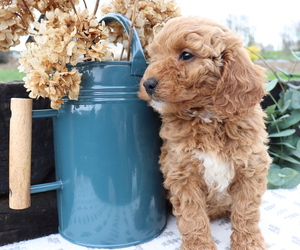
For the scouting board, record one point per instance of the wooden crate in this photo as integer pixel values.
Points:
(41, 218)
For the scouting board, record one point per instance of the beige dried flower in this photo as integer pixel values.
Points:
(60, 40)
(150, 17)
(49, 5)
(68, 35)
(13, 24)
(16, 17)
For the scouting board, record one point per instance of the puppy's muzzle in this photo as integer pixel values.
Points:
(150, 85)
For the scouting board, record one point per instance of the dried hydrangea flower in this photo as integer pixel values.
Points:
(62, 40)
(49, 5)
(68, 35)
(16, 17)
(13, 24)
(150, 17)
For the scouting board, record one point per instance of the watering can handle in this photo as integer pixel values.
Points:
(20, 153)
(139, 63)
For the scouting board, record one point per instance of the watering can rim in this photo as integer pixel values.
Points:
(96, 63)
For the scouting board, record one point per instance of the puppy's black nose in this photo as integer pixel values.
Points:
(150, 85)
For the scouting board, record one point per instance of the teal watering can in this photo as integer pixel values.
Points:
(109, 187)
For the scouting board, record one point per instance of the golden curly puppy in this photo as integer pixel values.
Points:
(214, 155)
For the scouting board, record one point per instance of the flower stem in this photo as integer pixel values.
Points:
(85, 5)
(73, 6)
(26, 6)
(131, 28)
(96, 7)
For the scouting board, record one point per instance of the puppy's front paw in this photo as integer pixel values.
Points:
(251, 246)
(247, 242)
(198, 246)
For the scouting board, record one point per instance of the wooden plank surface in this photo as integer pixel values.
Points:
(41, 218)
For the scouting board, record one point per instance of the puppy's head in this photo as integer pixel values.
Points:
(199, 66)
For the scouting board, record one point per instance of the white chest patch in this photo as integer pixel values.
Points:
(206, 116)
(157, 105)
(218, 174)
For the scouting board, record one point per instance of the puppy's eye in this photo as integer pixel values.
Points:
(186, 56)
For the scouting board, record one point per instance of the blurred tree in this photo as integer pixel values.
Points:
(287, 39)
(241, 25)
(4, 57)
(298, 36)
(290, 37)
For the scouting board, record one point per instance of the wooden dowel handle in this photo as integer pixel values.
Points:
(20, 153)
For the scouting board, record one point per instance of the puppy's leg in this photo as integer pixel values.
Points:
(188, 200)
(246, 193)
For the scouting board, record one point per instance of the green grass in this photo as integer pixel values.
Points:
(279, 54)
(7, 75)
(271, 76)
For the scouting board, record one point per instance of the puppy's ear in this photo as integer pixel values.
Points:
(241, 85)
